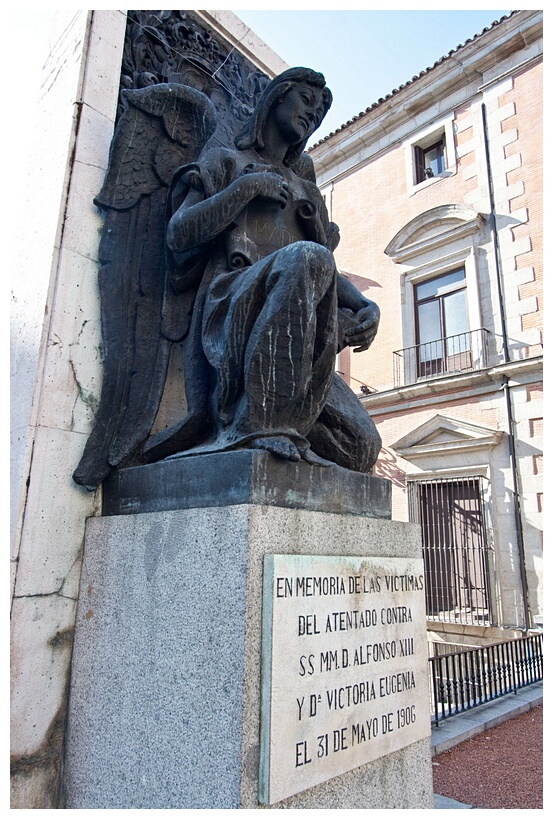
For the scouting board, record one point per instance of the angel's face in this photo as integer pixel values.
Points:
(299, 112)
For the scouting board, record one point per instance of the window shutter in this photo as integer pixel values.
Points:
(419, 164)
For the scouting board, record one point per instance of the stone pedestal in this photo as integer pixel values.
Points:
(244, 476)
(165, 689)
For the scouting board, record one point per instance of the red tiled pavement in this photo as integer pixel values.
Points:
(500, 768)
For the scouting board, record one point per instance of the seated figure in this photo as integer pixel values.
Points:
(249, 237)
(272, 310)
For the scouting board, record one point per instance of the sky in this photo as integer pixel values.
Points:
(365, 54)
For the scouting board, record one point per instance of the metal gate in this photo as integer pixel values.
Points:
(455, 549)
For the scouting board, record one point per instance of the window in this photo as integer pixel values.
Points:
(430, 155)
(429, 161)
(455, 549)
(441, 320)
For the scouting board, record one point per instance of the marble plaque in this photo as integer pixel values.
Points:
(344, 666)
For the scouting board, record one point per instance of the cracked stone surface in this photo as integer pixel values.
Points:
(42, 628)
(56, 363)
(53, 533)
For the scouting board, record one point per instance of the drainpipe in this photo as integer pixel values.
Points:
(506, 385)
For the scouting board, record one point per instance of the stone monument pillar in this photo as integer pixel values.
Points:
(238, 646)
(251, 624)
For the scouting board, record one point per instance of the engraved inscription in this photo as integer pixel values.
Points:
(344, 666)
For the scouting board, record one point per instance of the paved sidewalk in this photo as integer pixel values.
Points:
(445, 803)
(463, 726)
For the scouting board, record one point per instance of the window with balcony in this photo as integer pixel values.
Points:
(442, 329)
(441, 319)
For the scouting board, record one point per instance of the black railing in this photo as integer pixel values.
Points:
(465, 679)
(444, 356)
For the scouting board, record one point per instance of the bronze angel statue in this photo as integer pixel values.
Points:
(230, 248)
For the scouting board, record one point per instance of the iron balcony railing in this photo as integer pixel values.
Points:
(444, 356)
(465, 679)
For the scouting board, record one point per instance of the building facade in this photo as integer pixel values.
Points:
(437, 190)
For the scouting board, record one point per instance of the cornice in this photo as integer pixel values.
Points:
(459, 221)
(454, 384)
(465, 437)
(419, 451)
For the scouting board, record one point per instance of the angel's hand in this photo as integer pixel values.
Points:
(271, 185)
(258, 167)
(268, 182)
(332, 236)
(199, 220)
(362, 335)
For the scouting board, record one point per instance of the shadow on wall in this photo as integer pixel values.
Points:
(387, 467)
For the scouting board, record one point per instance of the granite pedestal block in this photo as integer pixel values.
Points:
(165, 690)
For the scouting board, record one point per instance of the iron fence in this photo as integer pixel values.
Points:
(468, 678)
(444, 356)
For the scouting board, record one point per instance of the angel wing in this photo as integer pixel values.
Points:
(162, 127)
